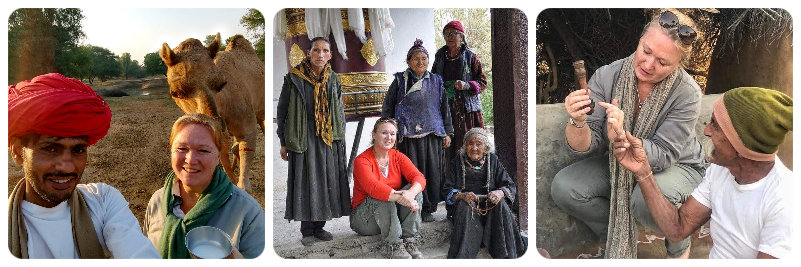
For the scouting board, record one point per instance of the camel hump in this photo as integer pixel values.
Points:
(239, 42)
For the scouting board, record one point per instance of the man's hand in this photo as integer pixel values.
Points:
(283, 153)
(631, 155)
(614, 119)
(495, 196)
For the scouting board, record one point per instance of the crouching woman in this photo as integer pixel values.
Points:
(478, 192)
(380, 206)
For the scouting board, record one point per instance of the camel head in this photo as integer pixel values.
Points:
(190, 67)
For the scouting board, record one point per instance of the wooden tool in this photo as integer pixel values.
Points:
(581, 76)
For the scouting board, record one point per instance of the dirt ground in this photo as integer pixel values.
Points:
(134, 156)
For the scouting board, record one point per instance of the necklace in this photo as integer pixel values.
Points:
(475, 168)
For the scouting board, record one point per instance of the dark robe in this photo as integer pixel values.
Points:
(498, 229)
(317, 183)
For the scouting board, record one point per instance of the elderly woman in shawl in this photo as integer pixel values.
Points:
(661, 103)
(479, 192)
(464, 81)
(416, 99)
(198, 193)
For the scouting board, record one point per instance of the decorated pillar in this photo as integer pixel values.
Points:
(363, 75)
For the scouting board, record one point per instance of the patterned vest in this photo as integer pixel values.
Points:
(418, 109)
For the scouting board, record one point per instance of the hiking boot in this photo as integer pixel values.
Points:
(427, 217)
(308, 240)
(411, 245)
(395, 250)
(324, 235)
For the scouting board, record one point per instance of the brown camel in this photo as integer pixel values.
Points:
(227, 85)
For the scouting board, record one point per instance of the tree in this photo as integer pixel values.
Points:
(42, 38)
(126, 65)
(78, 62)
(104, 64)
(137, 71)
(253, 21)
(210, 39)
(154, 65)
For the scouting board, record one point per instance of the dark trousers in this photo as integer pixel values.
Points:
(311, 228)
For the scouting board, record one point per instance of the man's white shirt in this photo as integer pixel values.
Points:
(50, 229)
(748, 219)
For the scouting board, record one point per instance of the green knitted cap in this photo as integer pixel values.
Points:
(761, 117)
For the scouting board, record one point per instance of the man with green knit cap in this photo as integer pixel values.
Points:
(746, 191)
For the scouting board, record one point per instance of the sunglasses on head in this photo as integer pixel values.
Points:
(668, 20)
(386, 119)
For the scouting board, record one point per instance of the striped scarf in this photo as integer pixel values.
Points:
(322, 112)
(622, 233)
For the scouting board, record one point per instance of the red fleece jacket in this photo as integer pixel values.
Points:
(368, 181)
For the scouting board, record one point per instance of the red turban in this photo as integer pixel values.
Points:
(55, 105)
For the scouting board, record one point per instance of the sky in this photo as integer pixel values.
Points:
(144, 30)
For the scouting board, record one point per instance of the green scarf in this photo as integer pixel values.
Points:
(173, 235)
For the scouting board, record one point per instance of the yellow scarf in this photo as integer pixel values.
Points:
(322, 112)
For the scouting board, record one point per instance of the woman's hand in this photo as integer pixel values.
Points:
(446, 142)
(406, 199)
(468, 197)
(614, 120)
(495, 196)
(235, 254)
(576, 104)
(459, 85)
(283, 153)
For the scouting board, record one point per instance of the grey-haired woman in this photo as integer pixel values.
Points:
(479, 192)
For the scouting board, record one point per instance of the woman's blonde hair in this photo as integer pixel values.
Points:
(686, 49)
(385, 120)
(200, 119)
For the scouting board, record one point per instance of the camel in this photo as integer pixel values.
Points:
(226, 85)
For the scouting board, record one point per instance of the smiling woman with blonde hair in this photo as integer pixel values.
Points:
(197, 192)
(650, 95)
(380, 205)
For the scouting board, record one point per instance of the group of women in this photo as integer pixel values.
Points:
(400, 180)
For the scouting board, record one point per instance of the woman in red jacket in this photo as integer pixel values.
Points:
(379, 204)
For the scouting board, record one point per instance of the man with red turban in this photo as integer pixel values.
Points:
(746, 192)
(52, 120)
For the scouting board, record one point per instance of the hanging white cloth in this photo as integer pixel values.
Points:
(381, 25)
(317, 23)
(335, 19)
(321, 21)
(356, 22)
(280, 27)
